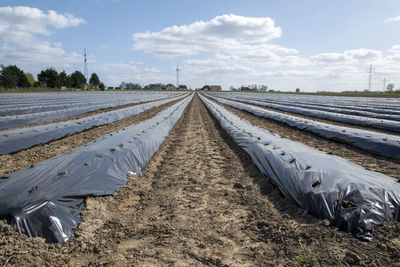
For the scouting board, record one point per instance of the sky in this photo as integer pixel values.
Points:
(314, 45)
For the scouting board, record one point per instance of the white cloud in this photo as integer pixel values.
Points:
(392, 19)
(41, 53)
(22, 30)
(363, 54)
(222, 33)
(330, 58)
(394, 53)
(19, 24)
(348, 56)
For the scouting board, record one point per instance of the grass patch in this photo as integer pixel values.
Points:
(304, 259)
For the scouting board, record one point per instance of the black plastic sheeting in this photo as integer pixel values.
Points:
(25, 103)
(376, 143)
(46, 199)
(15, 140)
(41, 107)
(377, 114)
(351, 197)
(48, 116)
(369, 104)
(388, 125)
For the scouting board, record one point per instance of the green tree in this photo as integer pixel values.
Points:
(102, 86)
(12, 77)
(76, 80)
(48, 77)
(62, 79)
(94, 81)
(390, 87)
(36, 84)
(30, 78)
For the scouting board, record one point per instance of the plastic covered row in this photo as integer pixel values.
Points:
(350, 196)
(46, 199)
(48, 116)
(368, 104)
(24, 103)
(388, 125)
(377, 143)
(342, 110)
(16, 140)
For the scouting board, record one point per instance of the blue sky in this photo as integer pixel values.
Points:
(312, 45)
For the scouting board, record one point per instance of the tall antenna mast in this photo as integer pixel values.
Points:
(384, 84)
(85, 68)
(370, 76)
(177, 76)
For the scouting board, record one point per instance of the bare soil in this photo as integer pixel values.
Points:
(201, 202)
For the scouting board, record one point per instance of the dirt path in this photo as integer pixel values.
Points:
(390, 167)
(200, 202)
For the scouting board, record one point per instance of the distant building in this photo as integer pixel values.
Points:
(156, 86)
(110, 88)
(215, 88)
(182, 87)
(211, 88)
(170, 86)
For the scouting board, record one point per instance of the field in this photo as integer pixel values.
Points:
(141, 179)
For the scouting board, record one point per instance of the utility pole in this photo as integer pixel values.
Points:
(177, 76)
(384, 84)
(370, 76)
(85, 68)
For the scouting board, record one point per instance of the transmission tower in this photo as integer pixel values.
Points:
(85, 68)
(177, 76)
(370, 76)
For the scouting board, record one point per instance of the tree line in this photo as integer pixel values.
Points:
(12, 77)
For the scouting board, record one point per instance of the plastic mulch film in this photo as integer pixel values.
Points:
(351, 197)
(376, 143)
(338, 108)
(388, 125)
(12, 121)
(15, 140)
(46, 199)
(368, 104)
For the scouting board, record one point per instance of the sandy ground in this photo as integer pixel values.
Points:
(201, 202)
